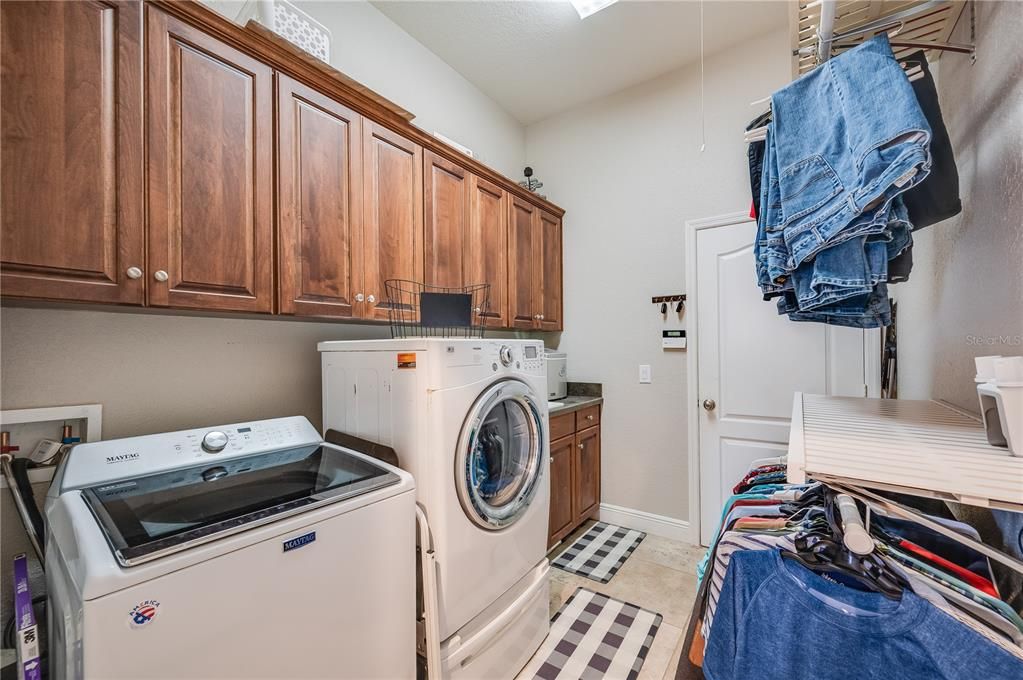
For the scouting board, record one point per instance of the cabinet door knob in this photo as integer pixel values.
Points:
(160, 275)
(359, 297)
(709, 404)
(478, 310)
(582, 446)
(134, 273)
(589, 417)
(541, 317)
(536, 317)
(371, 299)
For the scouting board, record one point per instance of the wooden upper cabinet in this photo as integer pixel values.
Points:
(392, 215)
(549, 288)
(319, 202)
(446, 217)
(523, 251)
(210, 171)
(72, 166)
(487, 249)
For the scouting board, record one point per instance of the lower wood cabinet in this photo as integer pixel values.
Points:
(575, 471)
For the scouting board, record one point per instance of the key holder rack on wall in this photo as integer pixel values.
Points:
(665, 300)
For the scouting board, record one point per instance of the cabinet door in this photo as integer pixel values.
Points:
(446, 216)
(487, 251)
(562, 507)
(549, 271)
(587, 473)
(71, 119)
(319, 201)
(523, 267)
(392, 215)
(210, 175)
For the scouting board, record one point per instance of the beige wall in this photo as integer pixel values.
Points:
(374, 50)
(965, 295)
(629, 172)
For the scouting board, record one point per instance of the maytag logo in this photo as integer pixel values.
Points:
(123, 457)
(299, 541)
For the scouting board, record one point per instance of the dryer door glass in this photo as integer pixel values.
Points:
(499, 457)
(147, 517)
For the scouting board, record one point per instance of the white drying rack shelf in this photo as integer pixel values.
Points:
(922, 448)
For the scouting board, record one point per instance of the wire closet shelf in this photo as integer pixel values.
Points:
(421, 310)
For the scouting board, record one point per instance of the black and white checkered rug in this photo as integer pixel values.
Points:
(594, 636)
(600, 552)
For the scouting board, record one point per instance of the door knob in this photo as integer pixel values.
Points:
(134, 273)
(359, 297)
(160, 275)
(709, 404)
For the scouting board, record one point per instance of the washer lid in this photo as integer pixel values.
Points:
(149, 517)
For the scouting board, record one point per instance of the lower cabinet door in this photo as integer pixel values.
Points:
(588, 472)
(562, 513)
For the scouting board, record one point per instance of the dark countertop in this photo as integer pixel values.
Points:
(572, 403)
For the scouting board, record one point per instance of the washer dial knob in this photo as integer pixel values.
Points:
(214, 442)
(506, 355)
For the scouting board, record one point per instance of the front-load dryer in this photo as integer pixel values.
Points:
(252, 550)
(468, 418)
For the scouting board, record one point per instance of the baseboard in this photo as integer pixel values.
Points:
(658, 525)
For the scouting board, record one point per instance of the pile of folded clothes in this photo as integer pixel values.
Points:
(848, 144)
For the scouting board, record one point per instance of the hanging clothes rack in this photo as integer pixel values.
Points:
(823, 26)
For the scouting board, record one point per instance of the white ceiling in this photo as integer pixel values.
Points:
(537, 58)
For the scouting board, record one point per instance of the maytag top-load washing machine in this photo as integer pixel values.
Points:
(243, 551)
(468, 419)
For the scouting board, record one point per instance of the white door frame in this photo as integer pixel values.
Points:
(871, 348)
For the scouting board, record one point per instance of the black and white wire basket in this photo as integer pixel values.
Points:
(419, 310)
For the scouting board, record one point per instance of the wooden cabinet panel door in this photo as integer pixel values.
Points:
(487, 250)
(588, 472)
(72, 165)
(319, 201)
(446, 218)
(523, 250)
(562, 507)
(392, 215)
(210, 173)
(549, 270)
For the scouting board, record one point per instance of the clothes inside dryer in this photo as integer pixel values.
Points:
(502, 455)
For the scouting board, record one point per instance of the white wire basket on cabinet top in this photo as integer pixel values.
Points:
(291, 23)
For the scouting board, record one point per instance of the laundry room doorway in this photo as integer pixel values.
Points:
(745, 362)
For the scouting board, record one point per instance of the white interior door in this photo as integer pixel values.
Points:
(749, 363)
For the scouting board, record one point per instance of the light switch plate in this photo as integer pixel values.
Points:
(644, 373)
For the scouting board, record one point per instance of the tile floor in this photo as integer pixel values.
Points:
(660, 576)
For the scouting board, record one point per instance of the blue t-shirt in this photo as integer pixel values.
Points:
(777, 620)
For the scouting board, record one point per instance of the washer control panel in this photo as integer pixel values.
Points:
(99, 462)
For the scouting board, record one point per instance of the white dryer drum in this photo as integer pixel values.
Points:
(499, 456)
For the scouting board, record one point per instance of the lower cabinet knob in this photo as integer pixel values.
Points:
(134, 273)
(541, 317)
(582, 446)
(371, 299)
(160, 275)
(359, 297)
